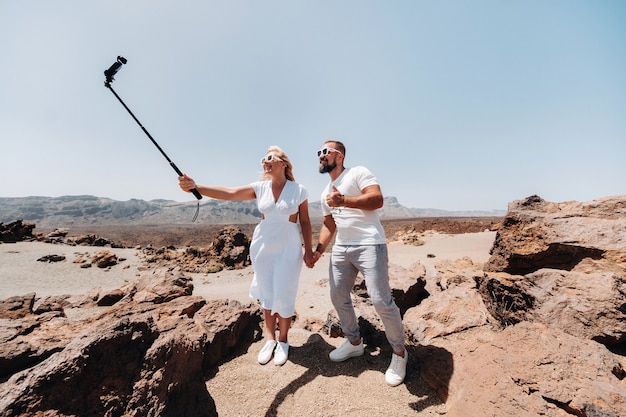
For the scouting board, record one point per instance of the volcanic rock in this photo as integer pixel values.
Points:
(545, 335)
(16, 231)
(147, 354)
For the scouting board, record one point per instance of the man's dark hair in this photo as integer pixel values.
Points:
(340, 146)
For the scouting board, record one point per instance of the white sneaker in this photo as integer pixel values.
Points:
(346, 350)
(281, 353)
(397, 369)
(266, 352)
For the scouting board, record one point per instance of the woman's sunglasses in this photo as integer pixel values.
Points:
(326, 151)
(269, 158)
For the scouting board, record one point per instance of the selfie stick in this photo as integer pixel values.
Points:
(113, 69)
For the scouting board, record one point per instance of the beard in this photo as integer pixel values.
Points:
(326, 167)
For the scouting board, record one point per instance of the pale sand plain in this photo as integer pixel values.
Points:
(21, 273)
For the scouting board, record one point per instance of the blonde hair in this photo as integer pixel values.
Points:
(282, 155)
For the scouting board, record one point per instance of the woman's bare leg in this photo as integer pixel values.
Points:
(283, 324)
(270, 324)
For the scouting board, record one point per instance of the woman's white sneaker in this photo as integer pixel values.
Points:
(267, 351)
(346, 351)
(281, 353)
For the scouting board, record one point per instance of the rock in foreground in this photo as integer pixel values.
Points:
(546, 335)
(146, 355)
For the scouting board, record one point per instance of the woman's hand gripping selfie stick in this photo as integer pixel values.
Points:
(113, 69)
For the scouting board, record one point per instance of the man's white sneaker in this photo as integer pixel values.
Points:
(346, 350)
(397, 369)
(266, 352)
(281, 353)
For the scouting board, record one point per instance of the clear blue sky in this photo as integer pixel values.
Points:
(454, 105)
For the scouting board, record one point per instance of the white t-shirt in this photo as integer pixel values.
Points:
(354, 226)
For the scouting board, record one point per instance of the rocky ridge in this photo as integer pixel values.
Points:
(85, 210)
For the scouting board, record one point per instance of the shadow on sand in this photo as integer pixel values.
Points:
(313, 356)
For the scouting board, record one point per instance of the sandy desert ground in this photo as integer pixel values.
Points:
(308, 383)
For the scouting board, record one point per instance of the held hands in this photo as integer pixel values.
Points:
(316, 257)
(186, 183)
(309, 259)
(335, 198)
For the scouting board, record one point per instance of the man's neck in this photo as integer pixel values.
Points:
(335, 173)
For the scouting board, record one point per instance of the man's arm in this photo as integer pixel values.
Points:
(326, 235)
(371, 198)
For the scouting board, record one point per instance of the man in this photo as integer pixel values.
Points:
(349, 204)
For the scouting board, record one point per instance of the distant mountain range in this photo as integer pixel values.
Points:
(65, 211)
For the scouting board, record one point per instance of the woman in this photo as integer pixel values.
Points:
(276, 248)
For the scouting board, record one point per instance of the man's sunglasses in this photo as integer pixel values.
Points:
(326, 151)
(269, 158)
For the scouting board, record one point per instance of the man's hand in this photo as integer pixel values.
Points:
(335, 198)
(370, 198)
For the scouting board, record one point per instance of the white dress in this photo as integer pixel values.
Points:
(276, 248)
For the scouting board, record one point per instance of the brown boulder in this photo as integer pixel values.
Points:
(232, 247)
(538, 234)
(29, 340)
(551, 296)
(51, 258)
(528, 369)
(148, 354)
(587, 305)
(49, 304)
(159, 286)
(104, 259)
(17, 307)
(110, 298)
(16, 231)
(562, 264)
(453, 305)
